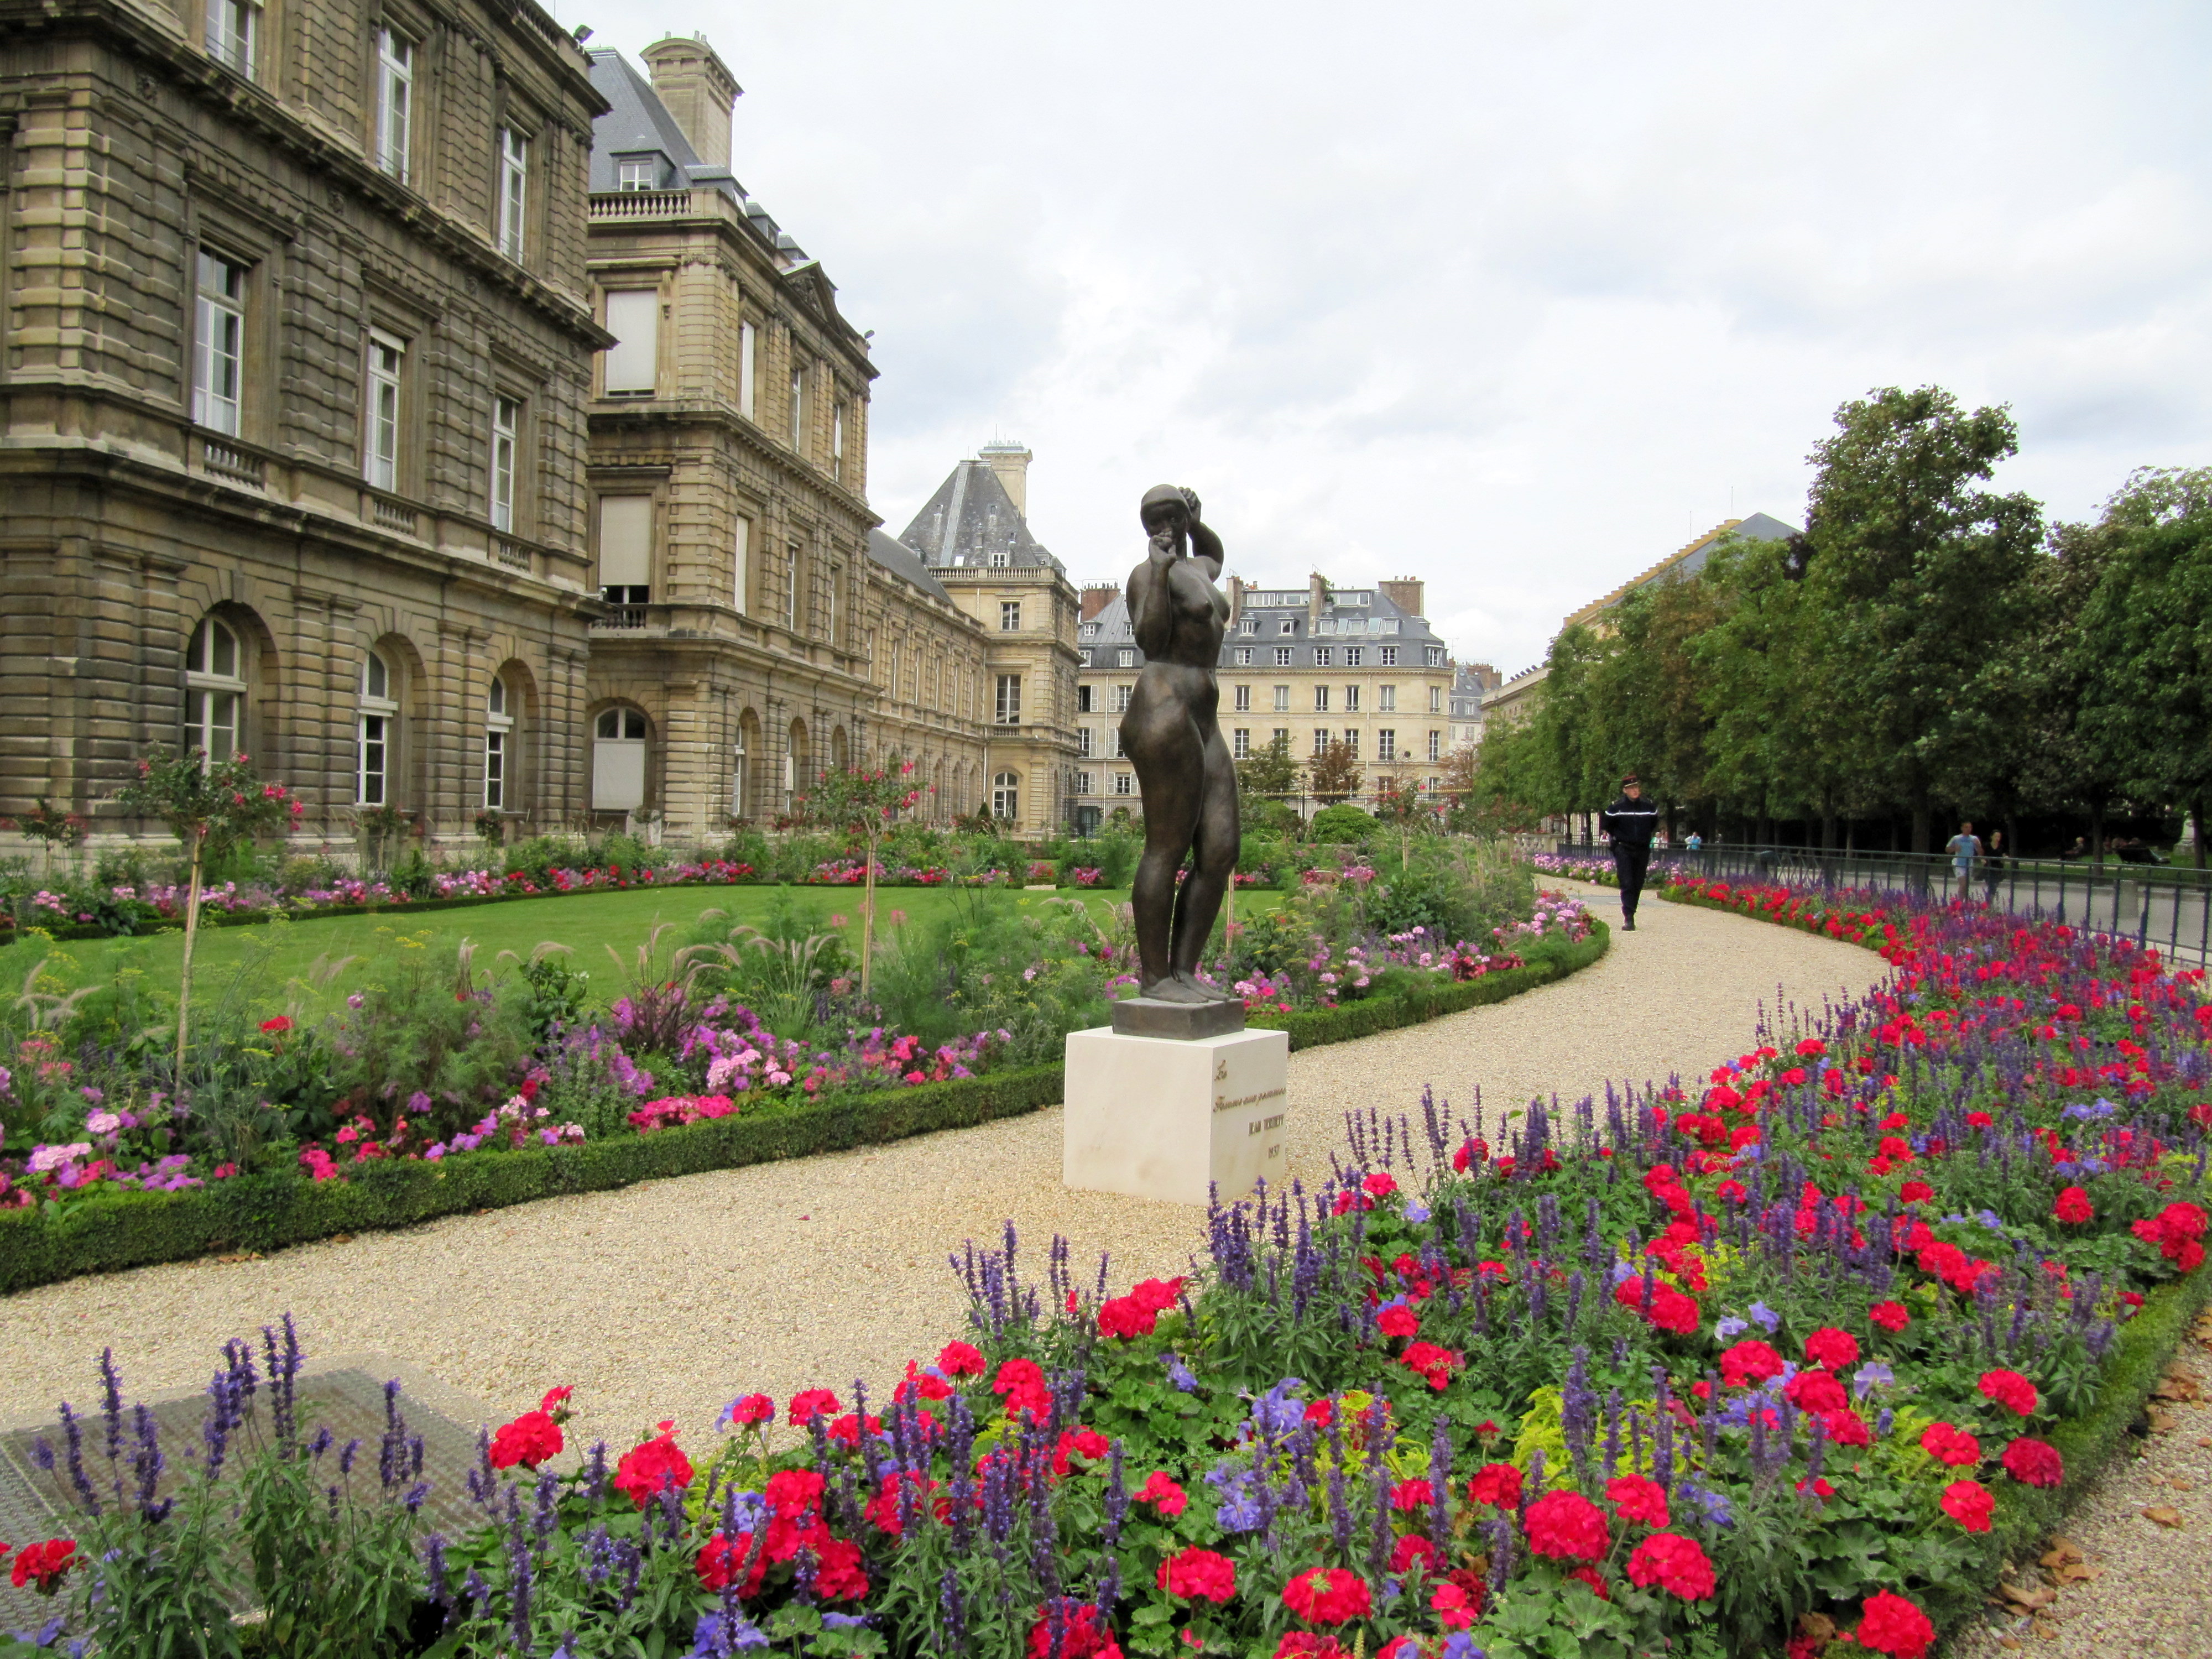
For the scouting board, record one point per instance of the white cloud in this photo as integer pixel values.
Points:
(1513, 297)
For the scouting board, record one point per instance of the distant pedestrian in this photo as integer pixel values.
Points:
(1993, 864)
(1629, 823)
(1697, 840)
(1964, 848)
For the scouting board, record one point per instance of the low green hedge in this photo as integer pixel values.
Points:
(267, 1212)
(1374, 1014)
(111, 1231)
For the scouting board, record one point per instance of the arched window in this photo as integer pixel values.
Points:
(379, 731)
(1005, 796)
(498, 729)
(618, 744)
(215, 689)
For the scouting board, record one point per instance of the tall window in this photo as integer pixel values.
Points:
(220, 366)
(791, 586)
(513, 190)
(1244, 656)
(1320, 741)
(1005, 796)
(1241, 745)
(1083, 741)
(1243, 699)
(1433, 655)
(1114, 742)
(385, 355)
(1386, 744)
(631, 363)
(1282, 700)
(215, 690)
(798, 406)
(1124, 659)
(1387, 699)
(748, 362)
(1010, 615)
(1009, 705)
(379, 717)
(1436, 700)
(626, 549)
(1436, 746)
(618, 745)
(395, 101)
(1321, 700)
(1281, 735)
(499, 727)
(1124, 783)
(1351, 699)
(505, 430)
(233, 28)
(1122, 699)
(837, 442)
(1388, 656)
(1351, 740)
(829, 603)
(741, 563)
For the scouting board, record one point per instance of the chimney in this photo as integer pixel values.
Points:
(1237, 590)
(1096, 600)
(1317, 601)
(1010, 464)
(698, 89)
(1406, 594)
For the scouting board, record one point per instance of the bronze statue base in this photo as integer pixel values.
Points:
(1183, 1022)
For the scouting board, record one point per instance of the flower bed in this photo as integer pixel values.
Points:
(1783, 1361)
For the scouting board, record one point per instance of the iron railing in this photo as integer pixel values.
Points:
(2163, 906)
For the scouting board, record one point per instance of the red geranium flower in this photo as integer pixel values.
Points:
(42, 1566)
(1832, 1349)
(653, 1466)
(1815, 1392)
(1435, 1365)
(1948, 1445)
(1163, 1494)
(277, 1026)
(1199, 1575)
(1890, 1624)
(794, 1494)
(1970, 1503)
(2011, 1390)
(1591, 1576)
(1567, 1527)
(1915, 1192)
(1411, 1549)
(1328, 1596)
(811, 1403)
(751, 1409)
(960, 1360)
(1306, 1644)
(1455, 1606)
(1414, 1494)
(719, 1558)
(838, 1576)
(1748, 1362)
(2034, 1463)
(1635, 1498)
(2073, 1205)
(1675, 1564)
(1021, 1382)
(1497, 1485)
(1846, 1427)
(1398, 1320)
(1890, 1315)
(529, 1440)
(1381, 1184)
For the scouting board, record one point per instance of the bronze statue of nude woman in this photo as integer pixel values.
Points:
(1171, 736)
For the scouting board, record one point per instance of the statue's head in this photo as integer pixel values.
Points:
(1165, 507)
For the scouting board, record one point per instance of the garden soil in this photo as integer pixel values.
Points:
(667, 1299)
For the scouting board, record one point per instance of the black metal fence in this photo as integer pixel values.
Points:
(2165, 906)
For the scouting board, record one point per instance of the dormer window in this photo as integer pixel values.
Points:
(637, 173)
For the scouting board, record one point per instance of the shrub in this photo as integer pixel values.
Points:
(1341, 823)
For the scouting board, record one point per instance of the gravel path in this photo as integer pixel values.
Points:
(2128, 1576)
(667, 1299)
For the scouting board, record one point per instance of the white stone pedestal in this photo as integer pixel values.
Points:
(1155, 1117)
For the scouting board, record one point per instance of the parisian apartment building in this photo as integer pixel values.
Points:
(1311, 665)
(297, 349)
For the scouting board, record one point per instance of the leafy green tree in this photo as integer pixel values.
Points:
(210, 806)
(2145, 642)
(1645, 711)
(866, 803)
(1333, 775)
(1266, 779)
(1923, 580)
(1572, 774)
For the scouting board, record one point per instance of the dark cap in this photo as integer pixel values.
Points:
(1632, 778)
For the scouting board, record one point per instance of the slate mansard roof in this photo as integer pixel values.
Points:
(971, 523)
(905, 563)
(1355, 616)
(637, 124)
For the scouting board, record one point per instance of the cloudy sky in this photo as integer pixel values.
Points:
(1515, 297)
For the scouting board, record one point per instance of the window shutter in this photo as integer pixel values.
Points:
(633, 319)
(625, 541)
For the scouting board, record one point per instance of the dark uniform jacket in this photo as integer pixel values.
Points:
(1630, 822)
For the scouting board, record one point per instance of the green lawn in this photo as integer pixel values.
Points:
(278, 952)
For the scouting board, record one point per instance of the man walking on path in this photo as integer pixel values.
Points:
(1964, 848)
(1630, 822)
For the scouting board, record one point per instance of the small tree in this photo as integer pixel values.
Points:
(1333, 773)
(1402, 809)
(866, 803)
(210, 806)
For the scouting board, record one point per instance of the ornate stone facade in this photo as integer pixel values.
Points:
(294, 349)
